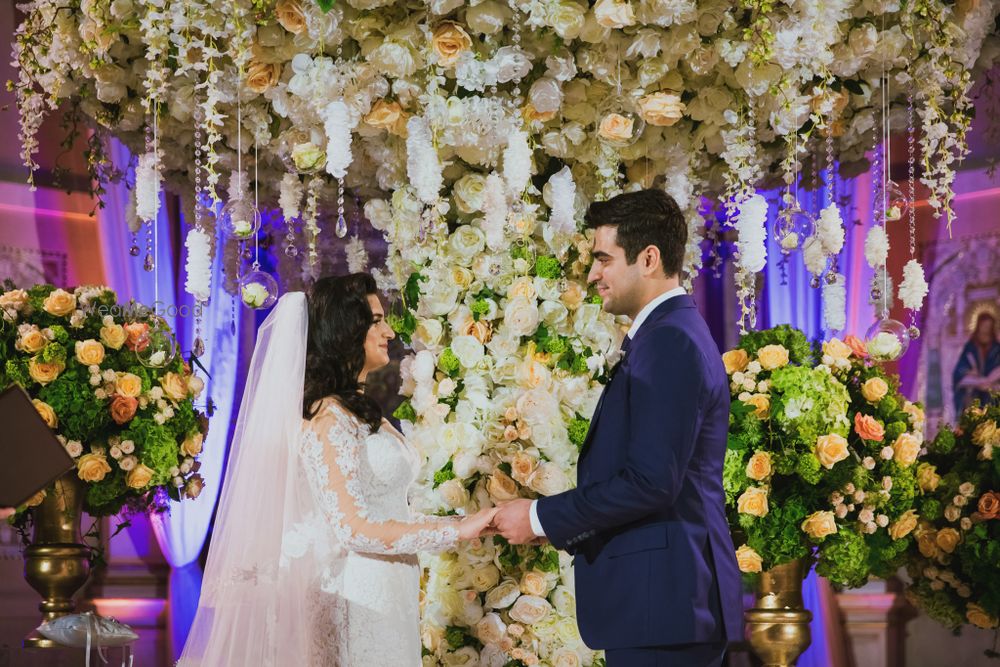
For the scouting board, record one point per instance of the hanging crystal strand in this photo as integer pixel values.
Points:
(148, 264)
(911, 194)
(198, 348)
(134, 250)
(831, 192)
(878, 212)
(341, 228)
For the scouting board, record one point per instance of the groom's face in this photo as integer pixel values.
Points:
(616, 280)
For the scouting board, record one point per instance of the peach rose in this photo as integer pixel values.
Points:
(820, 524)
(748, 560)
(927, 542)
(986, 434)
(113, 336)
(388, 115)
(290, 16)
(32, 341)
(530, 114)
(449, 42)
(573, 296)
(193, 444)
(759, 466)
(662, 109)
(59, 303)
(868, 428)
(616, 127)
(874, 390)
(989, 505)
(772, 356)
(262, 76)
(136, 336)
(194, 486)
(836, 348)
(976, 615)
(830, 449)
(46, 411)
(89, 352)
(522, 466)
(174, 386)
(753, 501)
(534, 583)
(36, 500)
(128, 384)
(906, 449)
(15, 299)
(927, 477)
(501, 487)
(857, 346)
(904, 525)
(139, 477)
(761, 403)
(92, 467)
(947, 539)
(735, 360)
(481, 331)
(44, 372)
(123, 409)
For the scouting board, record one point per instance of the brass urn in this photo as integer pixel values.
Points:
(778, 624)
(56, 563)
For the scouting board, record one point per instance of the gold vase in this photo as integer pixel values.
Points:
(779, 623)
(56, 564)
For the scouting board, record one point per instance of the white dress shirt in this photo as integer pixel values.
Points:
(536, 525)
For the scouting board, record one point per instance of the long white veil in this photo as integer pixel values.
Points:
(252, 609)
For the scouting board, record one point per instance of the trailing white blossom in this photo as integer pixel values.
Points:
(517, 162)
(357, 255)
(835, 303)
(913, 288)
(147, 187)
(422, 163)
(563, 210)
(495, 212)
(337, 123)
(813, 255)
(877, 247)
(830, 229)
(752, 237)
(290, 197)
(199, 264)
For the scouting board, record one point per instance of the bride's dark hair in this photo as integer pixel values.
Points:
(339, 319)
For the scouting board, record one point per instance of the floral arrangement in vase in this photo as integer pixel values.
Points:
(955, 560)
(823, 457)
(106, 379)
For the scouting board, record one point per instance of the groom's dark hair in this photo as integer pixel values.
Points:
(642, 219)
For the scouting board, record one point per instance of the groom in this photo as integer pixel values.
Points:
(656, 576)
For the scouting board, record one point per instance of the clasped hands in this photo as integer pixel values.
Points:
(511, 519)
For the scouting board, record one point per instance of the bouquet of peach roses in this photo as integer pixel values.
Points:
(106, 379)
(955, 562)
(822, 457)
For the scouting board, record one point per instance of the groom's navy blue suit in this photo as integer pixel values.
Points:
(655, 565)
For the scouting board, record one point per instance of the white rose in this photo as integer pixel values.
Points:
(545, 95)
(440, 297)
(485, 578)
(466, 243)
(563, 600)
(468, 350)
(503, 595)
(463, 657)
(512, 64)
(453, 493)
(423, 367)
(487, 18)
(393, 59)
(521, 316)
(884, 346)
(565, 657)
(614, 13)
(530, 609)
(491, 629)
(468, 192)
(465, 464)
(549, 479)
(567, 19)
(554, 314)
(428, 332)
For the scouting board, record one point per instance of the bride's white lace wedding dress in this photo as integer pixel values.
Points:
(365, 603)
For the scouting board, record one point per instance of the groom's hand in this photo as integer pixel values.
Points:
(513, 520)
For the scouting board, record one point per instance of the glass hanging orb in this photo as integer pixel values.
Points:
(618, 121)
(156, 347)
(258, 290)
(134, 250)
(887, 340)
(914, 332)
(792, 227)
(300, 152)
(897, 203)
(240, 218)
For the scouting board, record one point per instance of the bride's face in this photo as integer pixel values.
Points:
(377, 340)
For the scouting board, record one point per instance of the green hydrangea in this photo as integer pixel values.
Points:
(734, 475)
(777, 536)
(943, 442)
(814, 403)
(930, 509)
(16, 371)
(577, 431)
(888, 407)
(81, 414)
(937, 604)
(448, 363)
(156, 447)
(53, 353)
(479, 308)
(904, 489)
(444, 474)
(843, 559)
(579, 365)
(60, 335)
(809, 469)
(103, 497)
(548, 267)
(893, 430)
(596, 299)
(554, 345)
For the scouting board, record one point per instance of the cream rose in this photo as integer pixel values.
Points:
(614, 13)
(906, 449)
(837, 349)
(927, 477)
(820, 524)
(530, 609)
(616, 127)
(976, 615)
(388, 115)
(904, 525)
(429, 332)
(92, 467)
(534, 583)
(759, 466)
(947, 539)
(503, 595)
(59, 303)
(192, 445)
(290, 16)
(522, 466)
(490, 629)
(753, 501)
(449, 42)
(661, 109)
(113, 336)
(139, 477)
(567, 19)
(761, 404)
(748, 560)
(44, 372)
(262, 76)
(874, 389)
(36, 500)
(501, 487)
(128, 384)
(521, 316)
(549, 479)
(47, 413)
(89, 352)
(174, 386)
(468, 193)
(32, 341)
(830, 449)
(735, 361)
(485, 578)
(453, 493)
(14, 299)
(772, 357)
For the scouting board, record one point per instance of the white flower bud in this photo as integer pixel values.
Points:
(882, 520)
(868, 463)
(886, 453)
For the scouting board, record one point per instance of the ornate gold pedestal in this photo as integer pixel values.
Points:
(56, 564)
(779, 623)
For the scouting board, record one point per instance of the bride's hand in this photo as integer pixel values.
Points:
(475, 525)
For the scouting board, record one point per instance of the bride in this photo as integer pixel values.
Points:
(313, 557)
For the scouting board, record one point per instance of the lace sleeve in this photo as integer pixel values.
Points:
(331, 449)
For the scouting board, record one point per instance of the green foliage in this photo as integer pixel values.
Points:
(444, 474)
(548, 267)
(448, 363)
(809, 469)
(777, 536)
(943, 442)
(577, 431)
(405, 412)
(479, 308)
(81, 414)
(734, 475)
